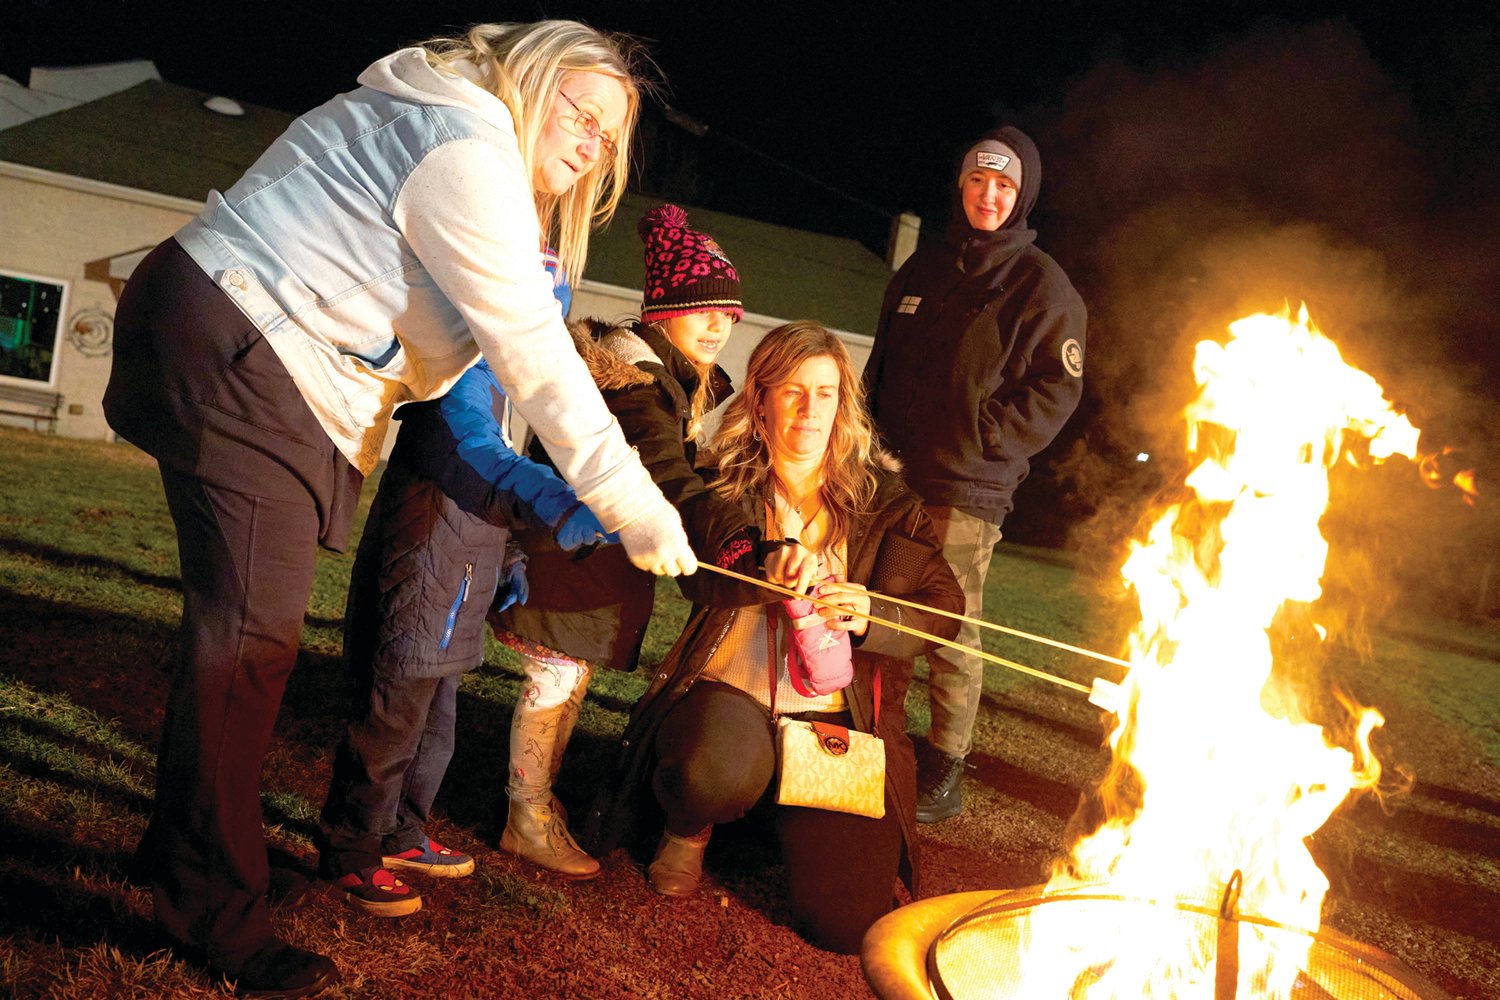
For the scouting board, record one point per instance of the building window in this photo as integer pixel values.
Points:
(31, 311)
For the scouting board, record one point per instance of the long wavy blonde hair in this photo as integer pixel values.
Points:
(522, 64)
(740, 445)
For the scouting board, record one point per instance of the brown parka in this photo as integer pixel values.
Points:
(892, 549)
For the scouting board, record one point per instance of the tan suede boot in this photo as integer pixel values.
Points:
(539, 834)
(678, 866)
(536, 827)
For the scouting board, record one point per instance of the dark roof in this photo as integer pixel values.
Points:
(154, 136)
(786, 273)
(158, 137)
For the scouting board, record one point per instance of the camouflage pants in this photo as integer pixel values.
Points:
(956, 678)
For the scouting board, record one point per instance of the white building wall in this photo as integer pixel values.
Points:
(81, 84)
(54, 225)
(21, 104)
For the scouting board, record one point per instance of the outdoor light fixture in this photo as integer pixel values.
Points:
(224, 106)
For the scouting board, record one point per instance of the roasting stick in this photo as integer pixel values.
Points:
(1056, 644)
(990, 657)
(1106, 694)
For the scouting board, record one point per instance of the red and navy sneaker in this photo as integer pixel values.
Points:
(434, 859)
(378, 892)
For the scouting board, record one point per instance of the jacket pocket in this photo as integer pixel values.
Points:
(457, 605)
(899, 564)
(384, 358)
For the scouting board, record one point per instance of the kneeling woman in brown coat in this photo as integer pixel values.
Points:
(795, 451)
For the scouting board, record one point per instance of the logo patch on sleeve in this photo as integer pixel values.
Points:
(992, 161)
(1072, 357)
(908, 304)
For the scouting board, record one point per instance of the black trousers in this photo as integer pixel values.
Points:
(716, 756)
(253, 485)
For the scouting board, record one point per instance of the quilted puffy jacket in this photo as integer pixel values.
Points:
(436, 545)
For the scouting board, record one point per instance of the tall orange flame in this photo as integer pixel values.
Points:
(1216, 769)
(1465, 479)
(1469, 483)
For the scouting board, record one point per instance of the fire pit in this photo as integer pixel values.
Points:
(973, 945)
(1189, 876)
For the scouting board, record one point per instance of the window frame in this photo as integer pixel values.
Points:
(59, 336)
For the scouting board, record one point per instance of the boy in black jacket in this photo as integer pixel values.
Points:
(977, 364)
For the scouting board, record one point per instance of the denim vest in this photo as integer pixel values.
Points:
(305, 244)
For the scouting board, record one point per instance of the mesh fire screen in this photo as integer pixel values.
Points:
(983, 954)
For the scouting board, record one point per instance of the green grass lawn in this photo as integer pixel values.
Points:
(89, 605)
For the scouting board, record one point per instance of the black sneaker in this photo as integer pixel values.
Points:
(376, 891)
(939, 791)
(283, 970)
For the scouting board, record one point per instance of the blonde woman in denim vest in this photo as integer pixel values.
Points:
(367, 259)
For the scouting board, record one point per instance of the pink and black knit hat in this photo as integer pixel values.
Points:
(686, 272)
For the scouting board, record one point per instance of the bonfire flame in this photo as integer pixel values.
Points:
(1464, 479)
(1216, 769)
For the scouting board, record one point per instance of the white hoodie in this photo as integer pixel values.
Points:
(490, 273)
(381, 244)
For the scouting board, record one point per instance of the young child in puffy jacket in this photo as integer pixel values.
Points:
(437, 552)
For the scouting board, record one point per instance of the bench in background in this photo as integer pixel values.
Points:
(40, 406)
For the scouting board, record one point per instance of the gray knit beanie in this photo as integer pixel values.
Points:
(991, 154)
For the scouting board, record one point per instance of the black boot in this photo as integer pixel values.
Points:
(939, 791)
(283, 970)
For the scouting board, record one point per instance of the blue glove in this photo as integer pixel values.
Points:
(516, 589)
(581, 527)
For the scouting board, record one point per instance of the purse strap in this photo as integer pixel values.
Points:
(771, 612)
(771, 654)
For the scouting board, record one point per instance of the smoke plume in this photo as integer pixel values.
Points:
(1286, 167)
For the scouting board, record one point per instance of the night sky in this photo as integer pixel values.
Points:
(870, 98)
(1201, 160)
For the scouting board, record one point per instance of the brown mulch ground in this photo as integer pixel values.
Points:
(511, 932)
(1417, 874)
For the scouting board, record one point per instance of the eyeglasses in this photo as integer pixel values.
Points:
(588, 126)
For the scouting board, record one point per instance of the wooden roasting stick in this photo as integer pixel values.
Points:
(1056, 644)
(1101, 689)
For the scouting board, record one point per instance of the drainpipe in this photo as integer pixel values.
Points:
(905, 228)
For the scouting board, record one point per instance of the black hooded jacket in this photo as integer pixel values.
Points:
(978, 355)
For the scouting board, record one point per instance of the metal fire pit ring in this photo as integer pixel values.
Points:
(894, 953)
(902, 954)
